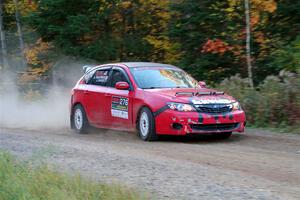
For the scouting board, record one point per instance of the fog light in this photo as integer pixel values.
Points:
(177, 126)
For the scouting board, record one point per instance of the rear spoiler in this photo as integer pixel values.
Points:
(87, 68)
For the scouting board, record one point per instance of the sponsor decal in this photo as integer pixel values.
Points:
(211, 101)
(119, 107)
(101, 76)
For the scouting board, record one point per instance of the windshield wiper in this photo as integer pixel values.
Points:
(154, 87)
(182, 87)
(150, 88)
(164, 87)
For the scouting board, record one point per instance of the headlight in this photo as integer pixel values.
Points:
(236, 106)
(181, 107)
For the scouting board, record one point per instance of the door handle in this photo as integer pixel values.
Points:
(86, 92)
(107, 95)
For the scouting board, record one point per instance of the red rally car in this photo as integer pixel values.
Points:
(156, 99)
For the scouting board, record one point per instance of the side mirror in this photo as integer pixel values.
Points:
(122, 86)
(202, 84)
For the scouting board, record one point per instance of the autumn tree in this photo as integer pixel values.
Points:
(39, 62)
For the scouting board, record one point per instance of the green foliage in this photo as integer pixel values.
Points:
(107, 30)
(193, 23)
(274, 103)
(21, 181)
(287, 57)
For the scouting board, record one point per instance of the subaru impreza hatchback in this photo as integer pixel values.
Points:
(154, 99)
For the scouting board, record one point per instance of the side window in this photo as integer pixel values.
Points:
(117, 76)
(100, 77)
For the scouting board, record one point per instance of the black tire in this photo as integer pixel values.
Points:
(146, 125)
(79, 120)
(224, 135)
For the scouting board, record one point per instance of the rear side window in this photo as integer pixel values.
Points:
(100, 77)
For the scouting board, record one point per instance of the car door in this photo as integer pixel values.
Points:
(119, 111)
(95, 99)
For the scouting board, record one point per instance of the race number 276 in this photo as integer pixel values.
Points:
(124, 102)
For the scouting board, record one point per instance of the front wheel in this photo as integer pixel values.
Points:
(146, 125)
(79, 119)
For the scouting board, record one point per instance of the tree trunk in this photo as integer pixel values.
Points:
(248, 40)
(2, 38)
(20, 33)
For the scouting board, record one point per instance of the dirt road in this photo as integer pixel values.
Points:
(254, 165)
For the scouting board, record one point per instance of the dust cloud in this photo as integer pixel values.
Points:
(50, 110)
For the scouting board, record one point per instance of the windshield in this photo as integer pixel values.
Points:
(151, 78)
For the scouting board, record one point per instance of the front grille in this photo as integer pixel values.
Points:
(214, 127)
(213, 108)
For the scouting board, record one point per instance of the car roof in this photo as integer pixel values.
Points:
(147, 64)
(139, 64)
(134, 65)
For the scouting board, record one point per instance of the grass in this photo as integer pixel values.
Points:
(280, 130)
(19, 180)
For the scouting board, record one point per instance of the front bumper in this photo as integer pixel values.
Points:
(172, 122)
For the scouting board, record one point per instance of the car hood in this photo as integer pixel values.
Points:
(191, 95)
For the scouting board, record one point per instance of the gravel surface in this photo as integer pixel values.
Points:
(253, 165)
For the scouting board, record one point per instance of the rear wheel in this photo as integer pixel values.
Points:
(79, 120)
(146, 125)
